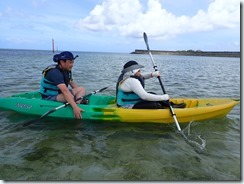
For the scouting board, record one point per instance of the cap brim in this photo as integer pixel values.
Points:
(135, 71)
(73, 58)
(133, 67)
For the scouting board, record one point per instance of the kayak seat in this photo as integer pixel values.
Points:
(101, 100)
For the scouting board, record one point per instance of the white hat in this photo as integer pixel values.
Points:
(130, 66)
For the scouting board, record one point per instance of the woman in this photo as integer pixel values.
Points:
(130, 92)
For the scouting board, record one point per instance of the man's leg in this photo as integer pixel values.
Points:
(79, 92)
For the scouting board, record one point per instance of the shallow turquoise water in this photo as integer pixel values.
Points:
(55, 149)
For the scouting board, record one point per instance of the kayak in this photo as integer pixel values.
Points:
(104, 108)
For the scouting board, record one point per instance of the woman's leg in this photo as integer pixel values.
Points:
(147, 105)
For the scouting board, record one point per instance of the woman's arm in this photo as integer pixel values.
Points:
(134, 85)
(150, 75)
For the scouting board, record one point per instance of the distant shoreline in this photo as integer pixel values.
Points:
(189, 53)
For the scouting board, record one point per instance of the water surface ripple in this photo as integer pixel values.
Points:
(54, 149)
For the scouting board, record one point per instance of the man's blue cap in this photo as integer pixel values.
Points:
(66, 55)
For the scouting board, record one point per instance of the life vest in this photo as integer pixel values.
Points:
(127, 98)
(47, 87)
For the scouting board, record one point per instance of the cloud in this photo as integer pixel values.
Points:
(130, 18)
(220, 14)
(111, 14)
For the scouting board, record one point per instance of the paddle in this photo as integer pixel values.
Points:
(161, 84)
(59, 107)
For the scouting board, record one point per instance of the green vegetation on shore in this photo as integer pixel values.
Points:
(190, 53)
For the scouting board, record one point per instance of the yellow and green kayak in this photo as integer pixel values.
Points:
(104, 108)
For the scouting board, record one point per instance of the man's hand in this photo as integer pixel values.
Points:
(77, 112)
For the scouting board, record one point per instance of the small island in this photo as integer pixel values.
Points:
(190, 53)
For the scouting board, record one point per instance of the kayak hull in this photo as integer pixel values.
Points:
(103, 108)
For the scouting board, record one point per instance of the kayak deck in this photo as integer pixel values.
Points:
(103, 108)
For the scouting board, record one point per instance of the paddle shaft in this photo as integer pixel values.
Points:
(161, 84)
(59, 107)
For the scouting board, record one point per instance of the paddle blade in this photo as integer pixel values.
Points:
(47, 113)
(25, 124)
(146, 40)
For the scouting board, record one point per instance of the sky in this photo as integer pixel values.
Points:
(118, 25)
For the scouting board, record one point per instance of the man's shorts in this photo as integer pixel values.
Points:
(54, 98)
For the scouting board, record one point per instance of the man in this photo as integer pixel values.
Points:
(130, 92)
(56, 80)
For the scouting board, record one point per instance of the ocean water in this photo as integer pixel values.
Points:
(57, 149)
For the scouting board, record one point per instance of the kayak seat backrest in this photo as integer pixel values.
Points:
(190, 103)
(101, 100)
